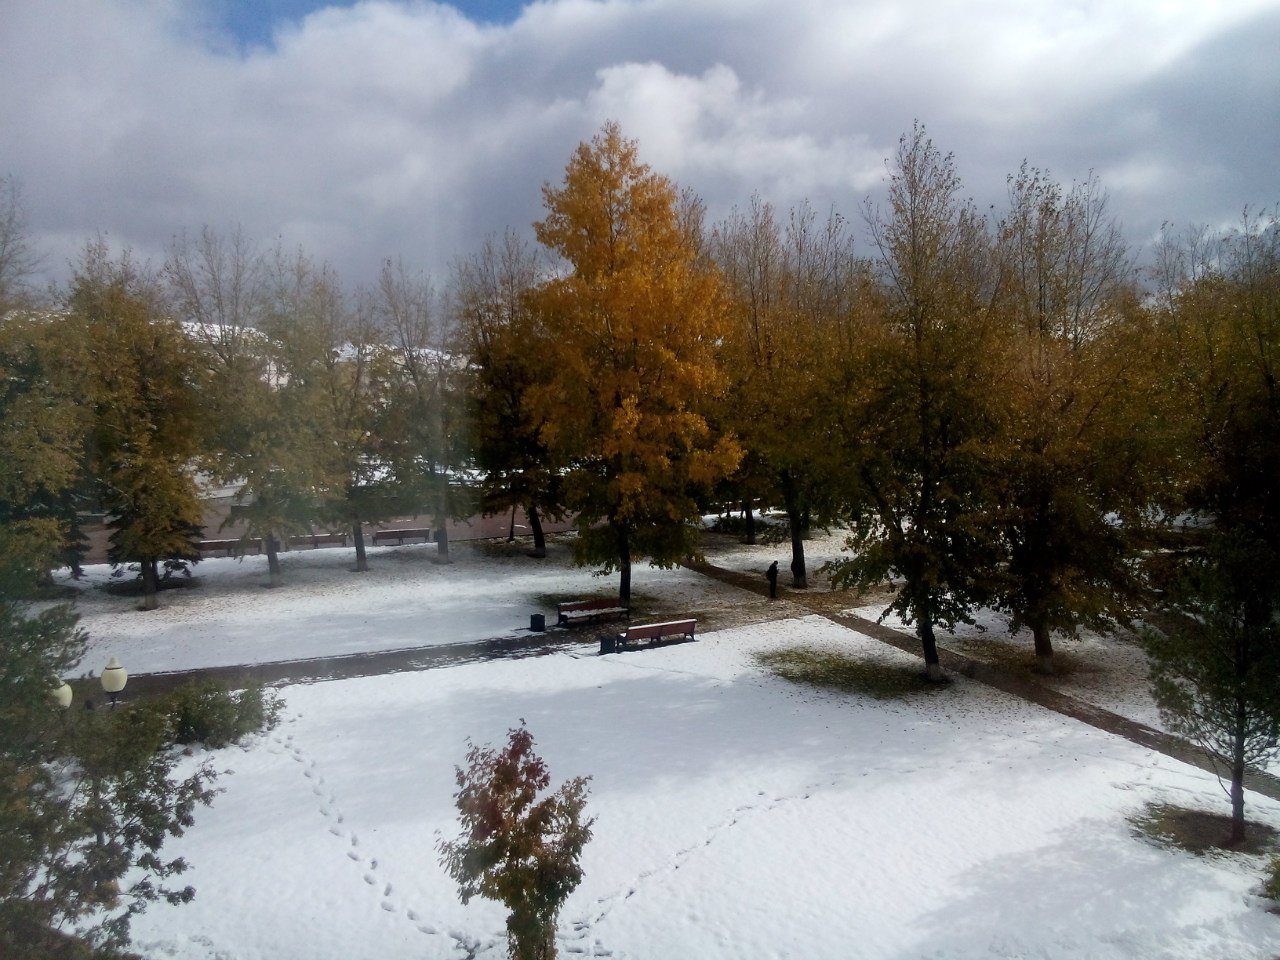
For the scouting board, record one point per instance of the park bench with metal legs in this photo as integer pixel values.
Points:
(588, 611)
(401, 535)
(317, 540)
(230, 548)
(673, 631)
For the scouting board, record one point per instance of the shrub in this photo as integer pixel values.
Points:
(207, 712)
(1271, 880)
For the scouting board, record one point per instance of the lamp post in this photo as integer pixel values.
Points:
(114, 677)
(61, 694)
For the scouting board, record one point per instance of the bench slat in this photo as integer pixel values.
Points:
(575, 611)
(651, 632)
(401, 535)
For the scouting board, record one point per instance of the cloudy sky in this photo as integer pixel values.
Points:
(413, 129)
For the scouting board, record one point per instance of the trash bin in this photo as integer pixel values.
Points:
(608, 643)
(538, 623)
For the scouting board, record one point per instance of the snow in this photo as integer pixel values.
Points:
(1107, 671)
(229, 616)
(737, 815)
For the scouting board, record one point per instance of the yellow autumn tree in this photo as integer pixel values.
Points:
(632, 329)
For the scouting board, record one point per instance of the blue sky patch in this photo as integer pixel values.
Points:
(253, 22)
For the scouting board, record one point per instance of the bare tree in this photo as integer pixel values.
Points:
(423, 427)
(18, 259)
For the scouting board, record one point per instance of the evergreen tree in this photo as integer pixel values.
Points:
(1216, 670)
(43, 426)
(145, 428)
(1215, 667)
(84, 801)
(633, 329)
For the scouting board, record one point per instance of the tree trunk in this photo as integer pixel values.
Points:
(749, 518)
(539, 538)
(1240, 734)
(442, 542)
(791, 501)
(624, 567)
(511, 533)
(799, 576)
(357, 534)
(1044, 647)
(150, 600)
(74, 539)
(273, 559)
(924, 629)
(528, 938)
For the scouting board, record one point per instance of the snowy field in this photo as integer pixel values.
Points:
(228, 615)
(737, 815)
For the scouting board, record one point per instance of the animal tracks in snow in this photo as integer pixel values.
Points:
(583, 927)
(329, 808)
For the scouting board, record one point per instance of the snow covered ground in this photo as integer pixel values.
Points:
(228, 616)
(737, 815)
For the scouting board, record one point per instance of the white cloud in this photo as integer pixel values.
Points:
(401, 128)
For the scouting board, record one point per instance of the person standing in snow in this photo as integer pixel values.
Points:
(772, 574)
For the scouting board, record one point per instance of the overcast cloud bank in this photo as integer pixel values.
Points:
(405, 129)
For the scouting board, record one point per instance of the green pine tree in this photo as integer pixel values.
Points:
(146, 424)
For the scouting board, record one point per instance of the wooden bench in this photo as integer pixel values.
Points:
(588, 611)
(400, 536)
(316, 540)
(654, 633)
(230, 548)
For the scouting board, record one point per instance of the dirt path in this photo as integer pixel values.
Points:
(828, 604)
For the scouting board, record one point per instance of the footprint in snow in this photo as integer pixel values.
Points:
(370, 879)
(352, 855)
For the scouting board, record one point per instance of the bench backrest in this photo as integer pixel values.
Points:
(604, 603)
(645, 631)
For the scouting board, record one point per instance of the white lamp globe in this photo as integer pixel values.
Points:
(114, 677)
(61, 694)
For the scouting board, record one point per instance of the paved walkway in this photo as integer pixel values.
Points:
(525, 643)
